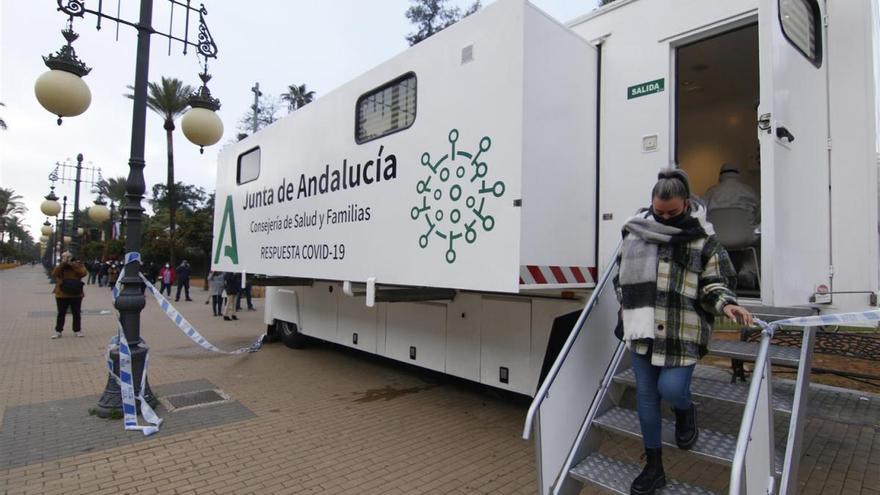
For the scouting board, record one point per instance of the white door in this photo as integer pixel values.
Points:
(795, 230)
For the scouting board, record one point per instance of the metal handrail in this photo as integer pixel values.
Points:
(572, 337)
(791, 464)
(745, 428)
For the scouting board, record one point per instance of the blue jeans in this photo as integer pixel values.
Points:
(672, 384)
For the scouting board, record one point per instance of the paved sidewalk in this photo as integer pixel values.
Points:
(318, 420)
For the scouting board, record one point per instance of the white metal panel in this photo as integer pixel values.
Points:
(419, 326)
(281, 305)
(633, 52)
(795, 213)
(559, 146)
(481, 100)
(463, 320)
(319, 310)
(544, 312)
(355, 317)
(563, 411)
(381, 329)
(853, 151)
(505, 342)
(270, 297)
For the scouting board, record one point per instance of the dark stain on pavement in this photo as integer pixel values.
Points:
(387, 393)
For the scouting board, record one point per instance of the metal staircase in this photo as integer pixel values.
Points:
(587, 399)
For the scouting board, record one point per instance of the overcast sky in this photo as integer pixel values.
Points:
(322, 43)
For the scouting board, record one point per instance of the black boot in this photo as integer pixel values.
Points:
(686, 432)
(652, 477)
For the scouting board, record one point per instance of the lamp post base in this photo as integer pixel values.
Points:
(110, 403)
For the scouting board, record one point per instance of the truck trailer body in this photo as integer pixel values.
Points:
(452, 207)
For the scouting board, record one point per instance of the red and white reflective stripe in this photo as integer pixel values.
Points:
(551, 275)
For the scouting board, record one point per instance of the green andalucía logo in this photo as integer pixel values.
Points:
(229, 250)
(454, 196)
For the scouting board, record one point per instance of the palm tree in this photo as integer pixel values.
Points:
(113, 188)
(297, 97)
(15, 228)
(10, 207)
(169, 99)
(10, 203)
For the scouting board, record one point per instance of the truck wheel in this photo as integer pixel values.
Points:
(290, 335)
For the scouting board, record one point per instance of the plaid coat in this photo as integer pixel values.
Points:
(694, 282)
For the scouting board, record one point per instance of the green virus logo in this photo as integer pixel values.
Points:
(454, 196)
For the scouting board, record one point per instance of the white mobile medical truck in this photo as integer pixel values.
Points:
(455, 206)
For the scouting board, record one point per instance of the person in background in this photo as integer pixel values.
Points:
(735, 211)
(166, 276)
(732, 192)
(152, 273)
(246, 292)
(103, 276)
(112, 274)
(183, 273)
(92, 267)
(68, 293)
(216, 284)
(232, 286)
(674, 279)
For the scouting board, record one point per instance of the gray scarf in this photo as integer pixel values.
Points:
(639, 260)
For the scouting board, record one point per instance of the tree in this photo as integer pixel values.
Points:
(113, 188)
(297, 97)
(266, 110)
(433, 16)
(169, 99)
(10, 207)
(15, 228)
(188, 198)
(2, 121)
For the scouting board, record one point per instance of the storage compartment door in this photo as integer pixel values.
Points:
(506, 344)
(793, 133)
(416, 334)
(463, 317)
(318, 311)
(357, 324)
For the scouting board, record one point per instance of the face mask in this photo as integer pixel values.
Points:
(673, 221)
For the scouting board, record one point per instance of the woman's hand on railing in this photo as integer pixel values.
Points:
(739, 314)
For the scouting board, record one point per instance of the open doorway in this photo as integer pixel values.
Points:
(717, 95)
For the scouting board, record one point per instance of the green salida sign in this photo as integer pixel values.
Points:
(645, 88)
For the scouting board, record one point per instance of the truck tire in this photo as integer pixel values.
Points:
(291, 335)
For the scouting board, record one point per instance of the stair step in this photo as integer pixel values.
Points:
(713, 383)
(616, 476)
(748, 351)
(711, 445)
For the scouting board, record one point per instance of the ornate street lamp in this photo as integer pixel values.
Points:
(61, 89)
(99, 213)
(46, 229)
(201, 125)
(50, 206)
(131, 300)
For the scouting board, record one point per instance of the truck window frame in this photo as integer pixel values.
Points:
(238, 165)
(817, 27)
(378, 89)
